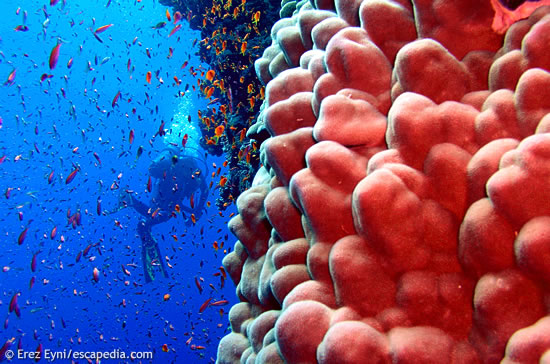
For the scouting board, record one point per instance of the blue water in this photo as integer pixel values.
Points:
(57, 125)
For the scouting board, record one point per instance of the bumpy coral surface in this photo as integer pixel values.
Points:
(402, 214)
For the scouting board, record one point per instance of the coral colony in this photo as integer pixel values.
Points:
(402, 213)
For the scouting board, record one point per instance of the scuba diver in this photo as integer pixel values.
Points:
(177, 177)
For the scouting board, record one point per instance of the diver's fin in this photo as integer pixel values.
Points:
(151, 257)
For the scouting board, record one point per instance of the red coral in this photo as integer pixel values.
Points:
(402, 213)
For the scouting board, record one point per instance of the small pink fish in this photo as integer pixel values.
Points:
(115, 99)
(103, 28)
(176, 28)
(11, 77)
(13, 302)
(131, 138)
(22, 236)
(71, 176)
(161, 131)
(21, 28)
(33, 262)
(54, 56)
(96, 156)
(45, 76)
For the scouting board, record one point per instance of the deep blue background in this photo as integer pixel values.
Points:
(37, 116)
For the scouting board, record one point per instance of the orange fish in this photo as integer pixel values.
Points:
(53, 233)
(243, 48)
(166, 297)
(131, 138)
(184, 140)
(11, 77)
(96, 274)
(103, 28)
(219, 130)
(71, 176)
(148, 77)
(192, 201)
(193, 218)
(223, 181)
(219, 303)
(222, 270)
(184, 64)
(149, 184)
(210, 75)
(54, 56)
(210, 92)
(204, 305)
(168, 15)
(256, 17)
(115, 99)
(177, 208)
(242, 135)
(165, 346)
(176, 28)
(198, 284)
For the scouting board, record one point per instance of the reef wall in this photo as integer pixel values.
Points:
(402, 213)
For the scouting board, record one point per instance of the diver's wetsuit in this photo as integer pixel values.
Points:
(176, 179)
